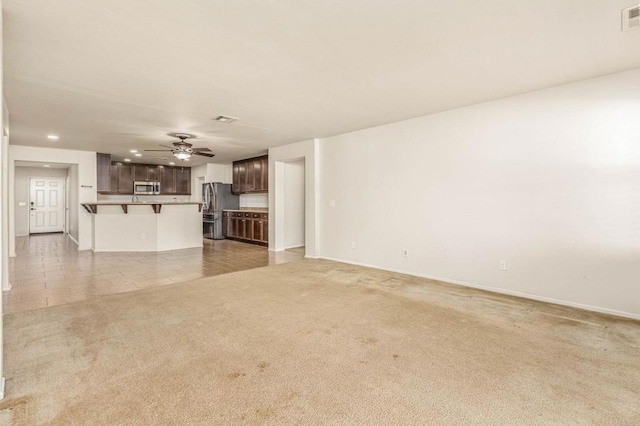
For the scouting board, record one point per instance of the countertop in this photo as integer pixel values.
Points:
(92, 207)
(249, 210)
(135, 203)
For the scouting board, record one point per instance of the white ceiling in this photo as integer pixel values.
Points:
(112, 76)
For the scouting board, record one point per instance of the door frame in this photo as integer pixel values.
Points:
(67, 213)
(310, 151)
(64, 201)
(285, 201)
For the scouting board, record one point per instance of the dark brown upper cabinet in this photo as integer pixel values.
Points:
(103, 162)
(251, 175)
(121, 178)
(167, 180)
(183, 180)
(146, 172)
(173, 180)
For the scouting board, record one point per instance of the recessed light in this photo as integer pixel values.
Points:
(46, 165)
(138, 155)
(133, 151)
(127, 159)
(52, 137)
(171, 163)
(225, 119)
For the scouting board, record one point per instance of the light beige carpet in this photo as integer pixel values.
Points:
(319, 343)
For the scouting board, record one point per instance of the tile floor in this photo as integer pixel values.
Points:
(49, 270)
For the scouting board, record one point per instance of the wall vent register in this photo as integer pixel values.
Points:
(631, 18)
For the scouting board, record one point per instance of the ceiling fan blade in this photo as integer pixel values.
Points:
(166, 146)
(200, 149)
(204, 154)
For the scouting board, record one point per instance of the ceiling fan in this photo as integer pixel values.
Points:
(183, 150)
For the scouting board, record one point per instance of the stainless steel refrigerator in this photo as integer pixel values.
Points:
(215, 198)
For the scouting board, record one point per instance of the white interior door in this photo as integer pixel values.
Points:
(46, 205)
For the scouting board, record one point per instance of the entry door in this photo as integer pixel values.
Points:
(46, 205)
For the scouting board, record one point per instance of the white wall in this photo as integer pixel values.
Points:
(210, 173)
(5, 212)
(175, 227)
(198, 176)
(548, 181)
(254, 200)
(219, 173)
(73, 201)
(86, 162)
(4, 205)
(294, 204)
(21, 186)
(309, 151)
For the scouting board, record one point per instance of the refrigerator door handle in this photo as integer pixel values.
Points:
(204, 197)
(215, 197)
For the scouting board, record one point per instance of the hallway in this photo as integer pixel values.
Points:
(49, 270)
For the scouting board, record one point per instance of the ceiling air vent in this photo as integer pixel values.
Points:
(225, 119)
(631, 18)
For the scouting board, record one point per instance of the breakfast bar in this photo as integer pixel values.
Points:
(145, 226)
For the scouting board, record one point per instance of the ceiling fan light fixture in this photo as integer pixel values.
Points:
(181, 155)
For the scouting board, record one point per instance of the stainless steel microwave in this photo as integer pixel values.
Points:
(146, 188)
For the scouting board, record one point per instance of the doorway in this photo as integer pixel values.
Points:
(46, 205)
(197, 191)
(294, 205)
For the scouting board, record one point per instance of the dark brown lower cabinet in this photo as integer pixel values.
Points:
(257, 230)
(252, 227)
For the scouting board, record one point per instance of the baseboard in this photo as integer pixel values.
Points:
(292, 247)
(316, 257)
(1, 388)
(73, 239)
(145, 251)
(8, 287)
(499, 290)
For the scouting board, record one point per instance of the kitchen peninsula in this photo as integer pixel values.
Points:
(145, 226)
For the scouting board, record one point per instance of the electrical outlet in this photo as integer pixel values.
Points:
(332, 203)
(353, 244)
(503, 265)
(406, 253)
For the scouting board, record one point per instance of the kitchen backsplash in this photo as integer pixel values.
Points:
(254, 200)
(165, 198)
